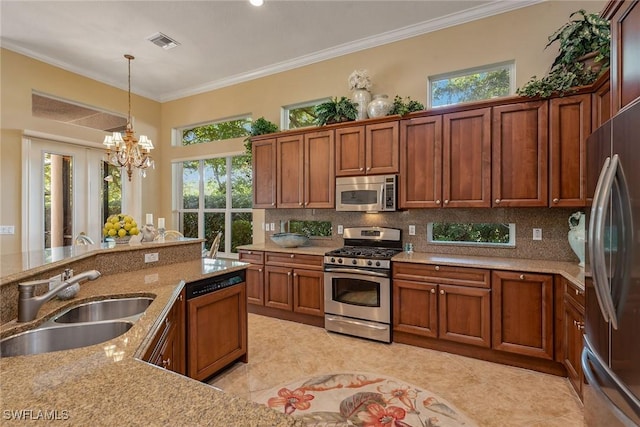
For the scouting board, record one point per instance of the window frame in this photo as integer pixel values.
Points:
(510, 65)
(285, 109)
(229, 210)
(510, 244)
(177, 133)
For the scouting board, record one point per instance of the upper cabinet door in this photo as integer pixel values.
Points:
(319, 170)
(625, 45)
(264, 173)
(290, 176)
(350, 151)
(421, 162)
(466, 159)
(520, 150)
(570, 125)
(382, 148)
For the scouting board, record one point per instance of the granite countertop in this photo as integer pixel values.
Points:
(568, 270)
(107, 383)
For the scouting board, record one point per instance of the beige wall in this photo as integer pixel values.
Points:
(398, 68)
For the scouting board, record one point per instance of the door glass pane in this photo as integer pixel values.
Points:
(190, 186)
(213, 223)
(111, 190)
(58, 197)
(241, 182)
(241, 229)
(215, 183)
(189, 224)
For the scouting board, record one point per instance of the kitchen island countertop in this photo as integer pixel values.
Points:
(107, 383)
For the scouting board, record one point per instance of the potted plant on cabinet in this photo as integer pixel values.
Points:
(336, 111)
(402, 107)
(583, 55)
(260, 126)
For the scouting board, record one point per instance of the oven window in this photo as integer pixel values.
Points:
(359, 197)
(356, 292)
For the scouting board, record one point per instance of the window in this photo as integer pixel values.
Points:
(311, 228)
(216, 195)
(215, 131)
(300, 115)
(477, 234)
(474, 84)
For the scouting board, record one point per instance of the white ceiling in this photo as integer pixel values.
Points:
(222, 42)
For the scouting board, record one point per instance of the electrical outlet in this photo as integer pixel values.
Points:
(273, 226)
(340, 229)
(7, 229)
(412, 230)
(537, 234)
(152, 257)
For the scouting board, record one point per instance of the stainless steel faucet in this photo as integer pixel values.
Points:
(29, 304)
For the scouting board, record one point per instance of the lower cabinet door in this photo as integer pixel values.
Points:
(308, 292)
(415, 308)
(217, 330)
(278, 287)
(465, 315)
(523, 313)
(573, 325)
(255, 284)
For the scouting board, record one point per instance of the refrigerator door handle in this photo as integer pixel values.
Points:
(590, 358)
(595, 239)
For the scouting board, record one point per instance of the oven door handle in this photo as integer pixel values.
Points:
(355, 271)
(355, 323)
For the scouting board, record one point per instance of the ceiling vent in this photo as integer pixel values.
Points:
(163, 41)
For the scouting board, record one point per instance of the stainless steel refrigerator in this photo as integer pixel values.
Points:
(611, 354)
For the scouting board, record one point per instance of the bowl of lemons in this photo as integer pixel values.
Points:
(120, 227)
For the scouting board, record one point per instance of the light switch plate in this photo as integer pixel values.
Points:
(152, 257)
(7, 229)
(273, 226)
(537, 234)
(412, 230)
(340, 229)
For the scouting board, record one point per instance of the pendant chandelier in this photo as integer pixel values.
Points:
(128, 151)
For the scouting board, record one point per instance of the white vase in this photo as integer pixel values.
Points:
(380, 106)
(362, 97)
(576, 236)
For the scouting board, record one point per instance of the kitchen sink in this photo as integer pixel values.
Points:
(48, 339)
(108, 309)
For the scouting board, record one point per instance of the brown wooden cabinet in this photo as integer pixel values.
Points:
(625, 45)
(448, 303)
(217, 333)
(572, 328)
(522, 305)
(167, 349)
(367, 149)
(263, 155)
(520, 154)
(569, 127)
(305, 170)
(255, 275)
(601, 102)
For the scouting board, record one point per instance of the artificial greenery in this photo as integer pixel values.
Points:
(402, 107)
(586, 34)
(336, 111)
(260, 126)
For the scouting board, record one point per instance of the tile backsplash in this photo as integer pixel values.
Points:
(553, 222)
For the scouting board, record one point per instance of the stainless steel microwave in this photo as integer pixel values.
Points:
(369, 193)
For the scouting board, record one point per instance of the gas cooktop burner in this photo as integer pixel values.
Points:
(364, 252)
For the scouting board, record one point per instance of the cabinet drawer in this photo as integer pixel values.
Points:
(461, 276)
(253, 257)
(573, 293)
(313, 262)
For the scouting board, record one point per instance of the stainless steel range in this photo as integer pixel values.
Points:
(357, 283)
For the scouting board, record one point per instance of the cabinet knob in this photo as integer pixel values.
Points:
(166, 322)
(556, 200)
(295, 274)
(289, 273)
(433, 291)
(446, 202)
(575, 322)
(369, 168)
(300, 204)
(259, 270)
(361, 169)
(580, 325)
(249, 253)
(522, 277)
(180, 297)
(438, 202)
(437, 268)
(497, 201)
(441, 292)
(292, 255)
(166, 363)
(273, 204)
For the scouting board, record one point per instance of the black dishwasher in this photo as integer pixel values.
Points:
(211, 284)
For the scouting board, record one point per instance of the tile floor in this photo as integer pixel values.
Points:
(490, 393)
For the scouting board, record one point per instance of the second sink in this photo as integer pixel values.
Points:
(109, 309)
